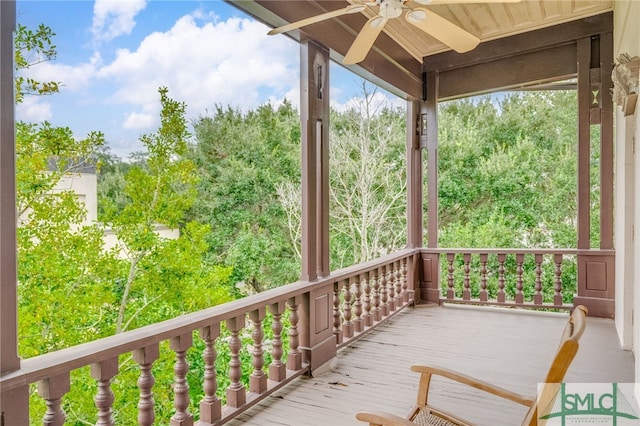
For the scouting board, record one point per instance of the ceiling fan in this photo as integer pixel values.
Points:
(426, 20)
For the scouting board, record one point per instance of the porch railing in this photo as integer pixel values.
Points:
(308, 321)
(533, 278)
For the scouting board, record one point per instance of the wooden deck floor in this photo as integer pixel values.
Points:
(511, 349)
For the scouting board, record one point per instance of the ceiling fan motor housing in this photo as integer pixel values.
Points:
(390, 9)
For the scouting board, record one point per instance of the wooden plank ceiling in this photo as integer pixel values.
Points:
(493, 21)
(396, 59)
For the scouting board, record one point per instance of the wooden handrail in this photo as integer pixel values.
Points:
(568, 251)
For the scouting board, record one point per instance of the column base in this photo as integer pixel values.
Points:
(598, 308)
(321, 353)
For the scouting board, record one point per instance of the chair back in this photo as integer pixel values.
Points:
(569, 344)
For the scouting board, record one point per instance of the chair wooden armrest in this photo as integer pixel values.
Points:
(425, 379)
(380, 418)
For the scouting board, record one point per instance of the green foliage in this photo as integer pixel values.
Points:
(32, 47)
(242, 158)
(507, 178)
(111, 184)
(63, 269)
(507, 171)
(44, 155)
(61, 263)
(159, 190)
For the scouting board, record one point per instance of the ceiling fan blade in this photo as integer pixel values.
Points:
(353, 8)
(365, 39)
(448, 33)
(438, 2)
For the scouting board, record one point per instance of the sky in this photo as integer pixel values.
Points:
(113, 55)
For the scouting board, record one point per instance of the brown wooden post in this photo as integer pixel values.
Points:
(519, 279)
(180, 345)
(236, 392)
(557, 288)
(316, 335)
(466, 286)
(358, 325)
(451, 257)
(501, 297)
(537, 297)
(414, 176)
(314, 117)
(145, 357)
(211, 405)
(103, 372)
(52, 390)
(584, 143)
(384, 293)
(368, 300)
(258, 378)
(375, 305)
(430, 108)
(317, 341)
(596, 279)
(606, 142)
(277, 368)
(408, 283)
(14, 405)
(428, 134)
(347, 324)
(294, 357)
(337, 315)
(415, 270)
(484, 295)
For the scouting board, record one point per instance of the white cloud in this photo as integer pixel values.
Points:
(378, 101)
(140, 121)
(293, 96)
(71, 77)
(202, 60)
(227, 63)
(113, 18)
(33, 109)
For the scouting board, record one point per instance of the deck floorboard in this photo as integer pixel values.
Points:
(509, 348)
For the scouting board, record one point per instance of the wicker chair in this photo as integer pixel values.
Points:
(424, 414)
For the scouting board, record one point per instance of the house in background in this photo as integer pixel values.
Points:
(83, 181)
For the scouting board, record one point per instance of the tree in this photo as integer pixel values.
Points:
(61, 263)
(32, 48)
(367, 183)
(507, 177)
(159, 191)
(505, 181)
(64, 275)
(242, 159)
(111, 182)
(367, 180)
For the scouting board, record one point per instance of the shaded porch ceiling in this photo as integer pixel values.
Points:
(402, 52)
